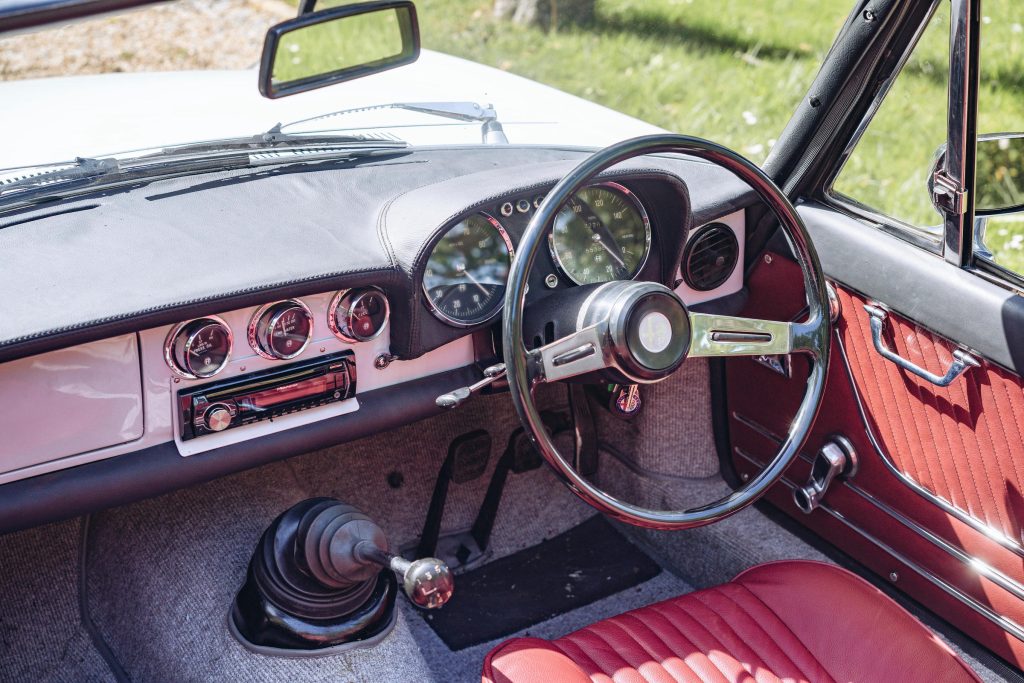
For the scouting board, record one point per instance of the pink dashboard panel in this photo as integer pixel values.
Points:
(70, 401)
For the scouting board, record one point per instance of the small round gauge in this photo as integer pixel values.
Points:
(467, 271)
(601, 234)
(281, 330)
(199, 348)
(358, 315)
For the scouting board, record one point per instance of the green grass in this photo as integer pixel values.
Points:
(734, 70)
(730, 70)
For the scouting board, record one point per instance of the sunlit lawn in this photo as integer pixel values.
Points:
(731, 70)
(734, 70)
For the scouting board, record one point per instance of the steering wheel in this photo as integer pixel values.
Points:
(641, 332)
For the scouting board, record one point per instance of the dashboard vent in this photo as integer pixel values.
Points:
(710, 257)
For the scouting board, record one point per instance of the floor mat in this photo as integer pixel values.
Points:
(586, 563)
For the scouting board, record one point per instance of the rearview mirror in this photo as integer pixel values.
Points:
(338, 44)
(998, 176)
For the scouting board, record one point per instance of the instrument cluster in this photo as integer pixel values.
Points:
(201, 348)
(602, 233)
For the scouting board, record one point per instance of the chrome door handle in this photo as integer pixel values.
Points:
(961, 359)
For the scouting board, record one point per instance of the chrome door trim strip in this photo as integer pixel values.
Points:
(1008, 625)
(983, 568)
(965, 517)
(756, 427)
(991, 573)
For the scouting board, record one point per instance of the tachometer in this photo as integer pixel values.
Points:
(466, 273)
(601, 234)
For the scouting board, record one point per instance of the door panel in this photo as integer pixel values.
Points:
(934, 504)
(963, 443)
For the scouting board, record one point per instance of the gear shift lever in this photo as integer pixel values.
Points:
(427, 582)
(320, 580)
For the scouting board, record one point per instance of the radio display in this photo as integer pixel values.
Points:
(268, 398)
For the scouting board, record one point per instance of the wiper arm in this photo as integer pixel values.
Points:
(86, 173)
(275, 137)
(81, 169)
(491, 130)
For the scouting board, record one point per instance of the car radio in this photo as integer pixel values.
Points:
(219, 406)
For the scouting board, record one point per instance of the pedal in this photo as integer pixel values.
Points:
(585, 442)
(524, 454)
(470, 454)
(466, 460)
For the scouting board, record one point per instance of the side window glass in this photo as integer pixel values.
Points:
(999, 182)
(889, 166)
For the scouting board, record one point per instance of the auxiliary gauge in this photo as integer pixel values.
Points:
(198, 348)
(281, 330)
(358, 315)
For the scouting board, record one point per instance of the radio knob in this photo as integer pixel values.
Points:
(217, 418)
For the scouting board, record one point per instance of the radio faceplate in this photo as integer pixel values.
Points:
(267, 394)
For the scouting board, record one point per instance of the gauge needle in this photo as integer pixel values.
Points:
(600, 232)
(476, 282)
(618, 259)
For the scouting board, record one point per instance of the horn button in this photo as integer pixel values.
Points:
(656, 333)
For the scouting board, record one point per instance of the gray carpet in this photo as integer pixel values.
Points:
(165, 571)
(41, 637)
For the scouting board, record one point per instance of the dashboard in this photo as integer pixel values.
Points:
(146, 399)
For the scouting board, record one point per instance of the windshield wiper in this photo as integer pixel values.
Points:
(258, 150)
(490, 130)
(275, 138)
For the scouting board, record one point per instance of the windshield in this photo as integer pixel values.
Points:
(182, 72)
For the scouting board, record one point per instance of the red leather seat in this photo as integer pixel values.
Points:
(790, 621)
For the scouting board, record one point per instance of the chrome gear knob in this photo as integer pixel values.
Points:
(428, 581)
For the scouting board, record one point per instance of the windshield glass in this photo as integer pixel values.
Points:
(181, 72)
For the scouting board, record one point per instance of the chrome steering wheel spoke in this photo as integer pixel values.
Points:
(576, 354)
(722, 336)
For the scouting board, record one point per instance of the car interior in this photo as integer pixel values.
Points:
(648, 412)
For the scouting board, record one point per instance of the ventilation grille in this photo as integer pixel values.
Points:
(710, 257)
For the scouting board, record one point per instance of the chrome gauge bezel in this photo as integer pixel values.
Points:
(332, 318)
(172, 362)
(254, 340)
(626, 192)
(490, 315)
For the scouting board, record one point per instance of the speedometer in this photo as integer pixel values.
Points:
(601, 234)
(466, 273)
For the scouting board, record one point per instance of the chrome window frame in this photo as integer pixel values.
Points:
(953, 240)
(916, 235)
